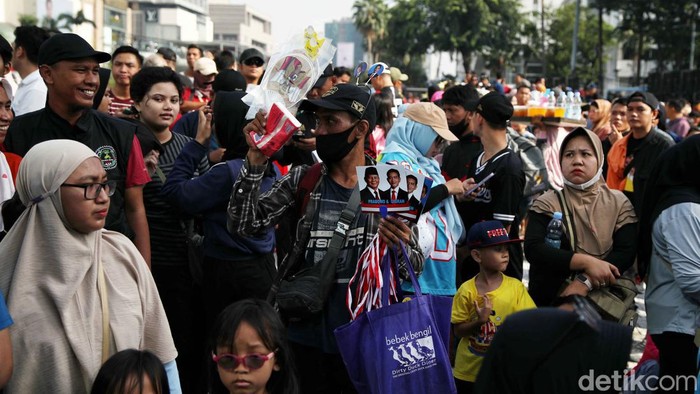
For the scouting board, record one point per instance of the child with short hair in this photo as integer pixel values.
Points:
(483, 302)
(251, 352)
(132, 371)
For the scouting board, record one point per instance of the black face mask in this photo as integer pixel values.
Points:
(459, 128)
(332, 148)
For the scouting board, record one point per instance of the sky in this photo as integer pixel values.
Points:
(292, 17)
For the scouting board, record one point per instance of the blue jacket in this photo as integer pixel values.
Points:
(208, 195)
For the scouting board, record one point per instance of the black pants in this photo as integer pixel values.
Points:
(320, 373)
(183, 305)
(677, 358)
(464, 387)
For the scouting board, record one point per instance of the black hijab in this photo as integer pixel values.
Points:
(673, 180)
(229, 120)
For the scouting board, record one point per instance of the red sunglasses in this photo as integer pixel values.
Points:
(231, 361)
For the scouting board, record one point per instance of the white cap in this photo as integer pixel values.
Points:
(205, 66)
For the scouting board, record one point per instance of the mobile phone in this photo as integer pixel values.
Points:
(478, 185)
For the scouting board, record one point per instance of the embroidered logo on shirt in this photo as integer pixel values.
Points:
(107, 156)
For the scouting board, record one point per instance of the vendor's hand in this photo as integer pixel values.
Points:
(575, 287)
(393, 230)
(484, 312)
(537, 122)
(306, 144)
(455, 187)
(601, 273)
(204, 126)
(257, 125)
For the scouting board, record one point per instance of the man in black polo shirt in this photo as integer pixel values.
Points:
(69, 67)
(498, 198)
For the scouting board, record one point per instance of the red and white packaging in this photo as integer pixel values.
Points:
(281, 126)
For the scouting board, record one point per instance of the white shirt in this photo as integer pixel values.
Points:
(30, 95)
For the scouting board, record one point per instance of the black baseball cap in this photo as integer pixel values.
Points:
(68, 46)
(346, 97)
(647, 98)
(327, 73)
(249, 54)
(495, 108)
(488, 233)
(167, 53)
(229, 81)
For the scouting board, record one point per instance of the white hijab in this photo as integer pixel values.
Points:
(48, 274)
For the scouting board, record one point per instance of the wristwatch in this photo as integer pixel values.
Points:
(584, 279)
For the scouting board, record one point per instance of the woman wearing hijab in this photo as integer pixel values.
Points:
(670, 252)
(77, 293)
(234, 267)
(415, 138)
(599, 116)
(603, 221)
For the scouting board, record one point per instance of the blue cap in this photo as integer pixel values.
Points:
(557, 215)
(488, 233)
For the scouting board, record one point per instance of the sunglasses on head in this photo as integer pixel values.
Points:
(254, 61)
(251, 361)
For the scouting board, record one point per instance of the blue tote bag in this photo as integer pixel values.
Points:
(400, 348)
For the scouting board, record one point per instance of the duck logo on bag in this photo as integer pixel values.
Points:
(413, 351)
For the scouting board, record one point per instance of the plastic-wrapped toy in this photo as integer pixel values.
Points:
(292, 72)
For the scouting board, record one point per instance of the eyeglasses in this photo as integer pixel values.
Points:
(254, 61)
(92, 190)
(231, 361)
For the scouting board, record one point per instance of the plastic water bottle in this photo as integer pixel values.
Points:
(569, 105)
(555, 229)
(577, 106)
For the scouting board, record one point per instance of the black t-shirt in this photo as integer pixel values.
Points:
(458, 157)
(500, 196)
(548, 350)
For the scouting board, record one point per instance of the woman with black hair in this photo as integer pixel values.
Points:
(157, 95)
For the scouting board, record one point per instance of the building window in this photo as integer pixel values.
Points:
(259, 44)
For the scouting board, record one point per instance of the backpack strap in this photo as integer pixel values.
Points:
(307, 184)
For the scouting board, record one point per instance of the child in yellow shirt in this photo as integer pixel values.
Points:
(483, 302)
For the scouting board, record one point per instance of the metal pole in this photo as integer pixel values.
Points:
(692, 38)
(601, 75)
(574, 46)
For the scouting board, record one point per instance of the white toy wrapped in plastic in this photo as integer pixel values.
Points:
(291, 73)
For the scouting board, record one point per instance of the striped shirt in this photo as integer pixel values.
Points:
(168, 240)
(117, 106)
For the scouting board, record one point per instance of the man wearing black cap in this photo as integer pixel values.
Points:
(371, 192)
(631, 158)
(498, 198)
(69, 67)
(250, 64)
(459, 103)
(346, 115)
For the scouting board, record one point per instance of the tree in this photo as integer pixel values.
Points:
(407, 39)
(370, 19)
(559, 45)
(65, 22)
(27, 20)
(488, 27)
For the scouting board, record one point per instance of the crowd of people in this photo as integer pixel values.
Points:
(143, 229)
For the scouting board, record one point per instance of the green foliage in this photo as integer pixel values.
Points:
(65, 22)
(28, 20)
(370, 18)
(560, 42)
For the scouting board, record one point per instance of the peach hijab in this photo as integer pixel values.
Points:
(49, 276)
